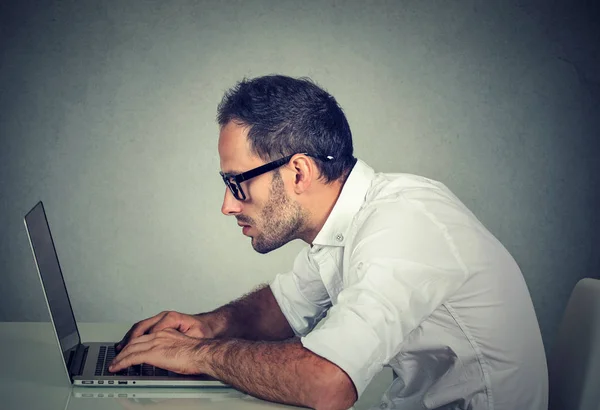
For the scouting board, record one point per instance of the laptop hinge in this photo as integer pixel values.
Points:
(77, 360)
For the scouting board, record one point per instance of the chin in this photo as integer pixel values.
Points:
(260, 248)
(262, 251)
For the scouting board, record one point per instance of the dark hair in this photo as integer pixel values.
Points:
(286, 116)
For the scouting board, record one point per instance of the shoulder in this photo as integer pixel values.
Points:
(393, 198)
(408, 210)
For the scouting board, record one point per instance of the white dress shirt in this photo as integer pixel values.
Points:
(402, 274)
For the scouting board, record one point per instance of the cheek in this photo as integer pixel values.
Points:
(257, 193)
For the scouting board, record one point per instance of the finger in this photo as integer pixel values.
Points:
(131, 355)
(167, 333)
(173, 335)
(139, 329)
(127, 361)
(170, 333)
(141, 339)
(128, 336)
(145, 325)
(172, 320)
(142, 343)
(146, 342)
(134, 348)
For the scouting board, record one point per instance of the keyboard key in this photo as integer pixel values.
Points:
(160, 372)
(147, 370)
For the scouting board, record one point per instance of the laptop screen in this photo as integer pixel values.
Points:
(52, 278)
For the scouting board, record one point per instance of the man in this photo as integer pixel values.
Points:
(398, 272)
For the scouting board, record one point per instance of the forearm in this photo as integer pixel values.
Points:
(283, 372)
(255, 316)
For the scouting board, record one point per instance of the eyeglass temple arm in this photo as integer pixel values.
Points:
(275, 164)
(260, 170)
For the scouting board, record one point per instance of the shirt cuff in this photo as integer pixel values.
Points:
(298, 311)
(344, 339)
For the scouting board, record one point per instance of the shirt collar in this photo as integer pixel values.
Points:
(335, 229)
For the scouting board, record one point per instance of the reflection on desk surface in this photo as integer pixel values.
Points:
(164, 398)
(212, 394)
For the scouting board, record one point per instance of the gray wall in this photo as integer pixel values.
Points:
(107, 115)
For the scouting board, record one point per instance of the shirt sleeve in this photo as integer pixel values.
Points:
(301, 294)
(402, 265)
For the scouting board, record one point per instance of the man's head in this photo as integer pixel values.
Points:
(273, 118)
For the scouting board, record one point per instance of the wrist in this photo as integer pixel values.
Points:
(201, 356)
(215, 324)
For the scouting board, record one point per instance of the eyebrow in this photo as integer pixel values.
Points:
(231, 173)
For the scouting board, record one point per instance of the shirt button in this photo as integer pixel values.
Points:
(339, 237)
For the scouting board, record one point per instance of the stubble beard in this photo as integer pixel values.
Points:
(282, 219)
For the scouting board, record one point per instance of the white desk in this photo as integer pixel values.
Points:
(32, 377)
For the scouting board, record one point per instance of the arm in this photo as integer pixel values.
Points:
(255, 316)
(278, 370)
(282, 371)
(287, 372)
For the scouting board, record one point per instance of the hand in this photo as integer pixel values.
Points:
(168, 349)
(189, 325)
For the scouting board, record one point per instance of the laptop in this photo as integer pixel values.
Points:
(87, 363)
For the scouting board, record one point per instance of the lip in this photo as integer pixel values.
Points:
(245, 227)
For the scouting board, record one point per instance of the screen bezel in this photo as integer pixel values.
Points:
(69, 342)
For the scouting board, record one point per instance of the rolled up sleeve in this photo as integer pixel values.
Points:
(401, 267)
(301, 295)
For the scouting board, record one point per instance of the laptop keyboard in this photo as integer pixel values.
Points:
(108, 353)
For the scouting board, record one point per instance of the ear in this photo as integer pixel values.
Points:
(305, 171)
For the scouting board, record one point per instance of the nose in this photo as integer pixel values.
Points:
(231, 206)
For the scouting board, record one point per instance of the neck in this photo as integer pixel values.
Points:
(319, 208)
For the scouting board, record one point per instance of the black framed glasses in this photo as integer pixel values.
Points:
(233, 182)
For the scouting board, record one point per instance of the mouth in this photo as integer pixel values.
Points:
(245, 228)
